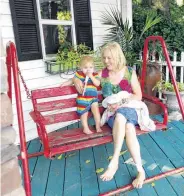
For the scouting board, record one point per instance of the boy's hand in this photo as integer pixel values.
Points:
(78, 85)
(61, 85)
(66, 83)
(89, 74)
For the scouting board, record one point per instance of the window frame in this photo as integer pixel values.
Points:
(55, 22)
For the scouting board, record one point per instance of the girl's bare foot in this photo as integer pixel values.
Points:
(87, 131)
(138, 182)
(111, 170)
(98, 129)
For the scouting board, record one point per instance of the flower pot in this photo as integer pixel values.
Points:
(52, 67)
(171, 100)
(153, 75)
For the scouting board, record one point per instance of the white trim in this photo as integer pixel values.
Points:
(41, 29)
(126, 11)
(118, 2)
(55, 22)
(74, 42)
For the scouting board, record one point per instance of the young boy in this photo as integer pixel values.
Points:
(88, 100)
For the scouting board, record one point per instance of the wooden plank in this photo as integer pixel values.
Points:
(89, 182)
(148, 189)
(179, 125)
(101, 161)
(53, 92)
(176, 139)
(152, 168)
(168, 149)
(163, 161)
(63, 117)
(59, 104)
(40, 176)
(175, 127)
(81, 145)
(72, 183)
(75, 135)
(177, 133)
(56, 105)
(56, 177)
(122, 176)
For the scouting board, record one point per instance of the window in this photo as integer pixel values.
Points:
(39, 26)
(56, 20)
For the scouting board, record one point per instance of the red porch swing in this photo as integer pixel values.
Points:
(74, 139)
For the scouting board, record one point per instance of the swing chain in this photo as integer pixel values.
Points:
(24, 84)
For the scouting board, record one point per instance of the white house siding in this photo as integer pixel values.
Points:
(99, 30)
(5, 23)
(34, 71)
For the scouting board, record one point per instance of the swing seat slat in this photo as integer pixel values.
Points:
(80, 145)
(56, 105)
(75, 135)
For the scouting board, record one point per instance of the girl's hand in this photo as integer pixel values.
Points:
(113, 107)
(78, 85)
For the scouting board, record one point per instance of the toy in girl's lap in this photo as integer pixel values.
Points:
(120, 100)
(113, 103)
(88, 100)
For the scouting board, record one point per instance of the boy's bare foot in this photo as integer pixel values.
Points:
(138, 182)
(111, 170)
(87, 131)
(98, 129)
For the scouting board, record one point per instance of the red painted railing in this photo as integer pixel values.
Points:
(12, 66)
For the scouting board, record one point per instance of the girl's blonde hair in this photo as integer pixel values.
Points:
(86, 59)
(117, 54)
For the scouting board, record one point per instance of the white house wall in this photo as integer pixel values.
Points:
(99, 30)
(34, 71)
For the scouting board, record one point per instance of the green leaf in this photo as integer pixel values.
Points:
(100, 170)
(60, 157)
(87, 161)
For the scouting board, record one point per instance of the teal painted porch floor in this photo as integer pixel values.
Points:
(72, 176)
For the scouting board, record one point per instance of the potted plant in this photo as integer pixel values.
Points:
(123, 33)
(67, 59)
(167, 89)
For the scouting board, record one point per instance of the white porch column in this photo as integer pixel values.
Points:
(126, 10)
